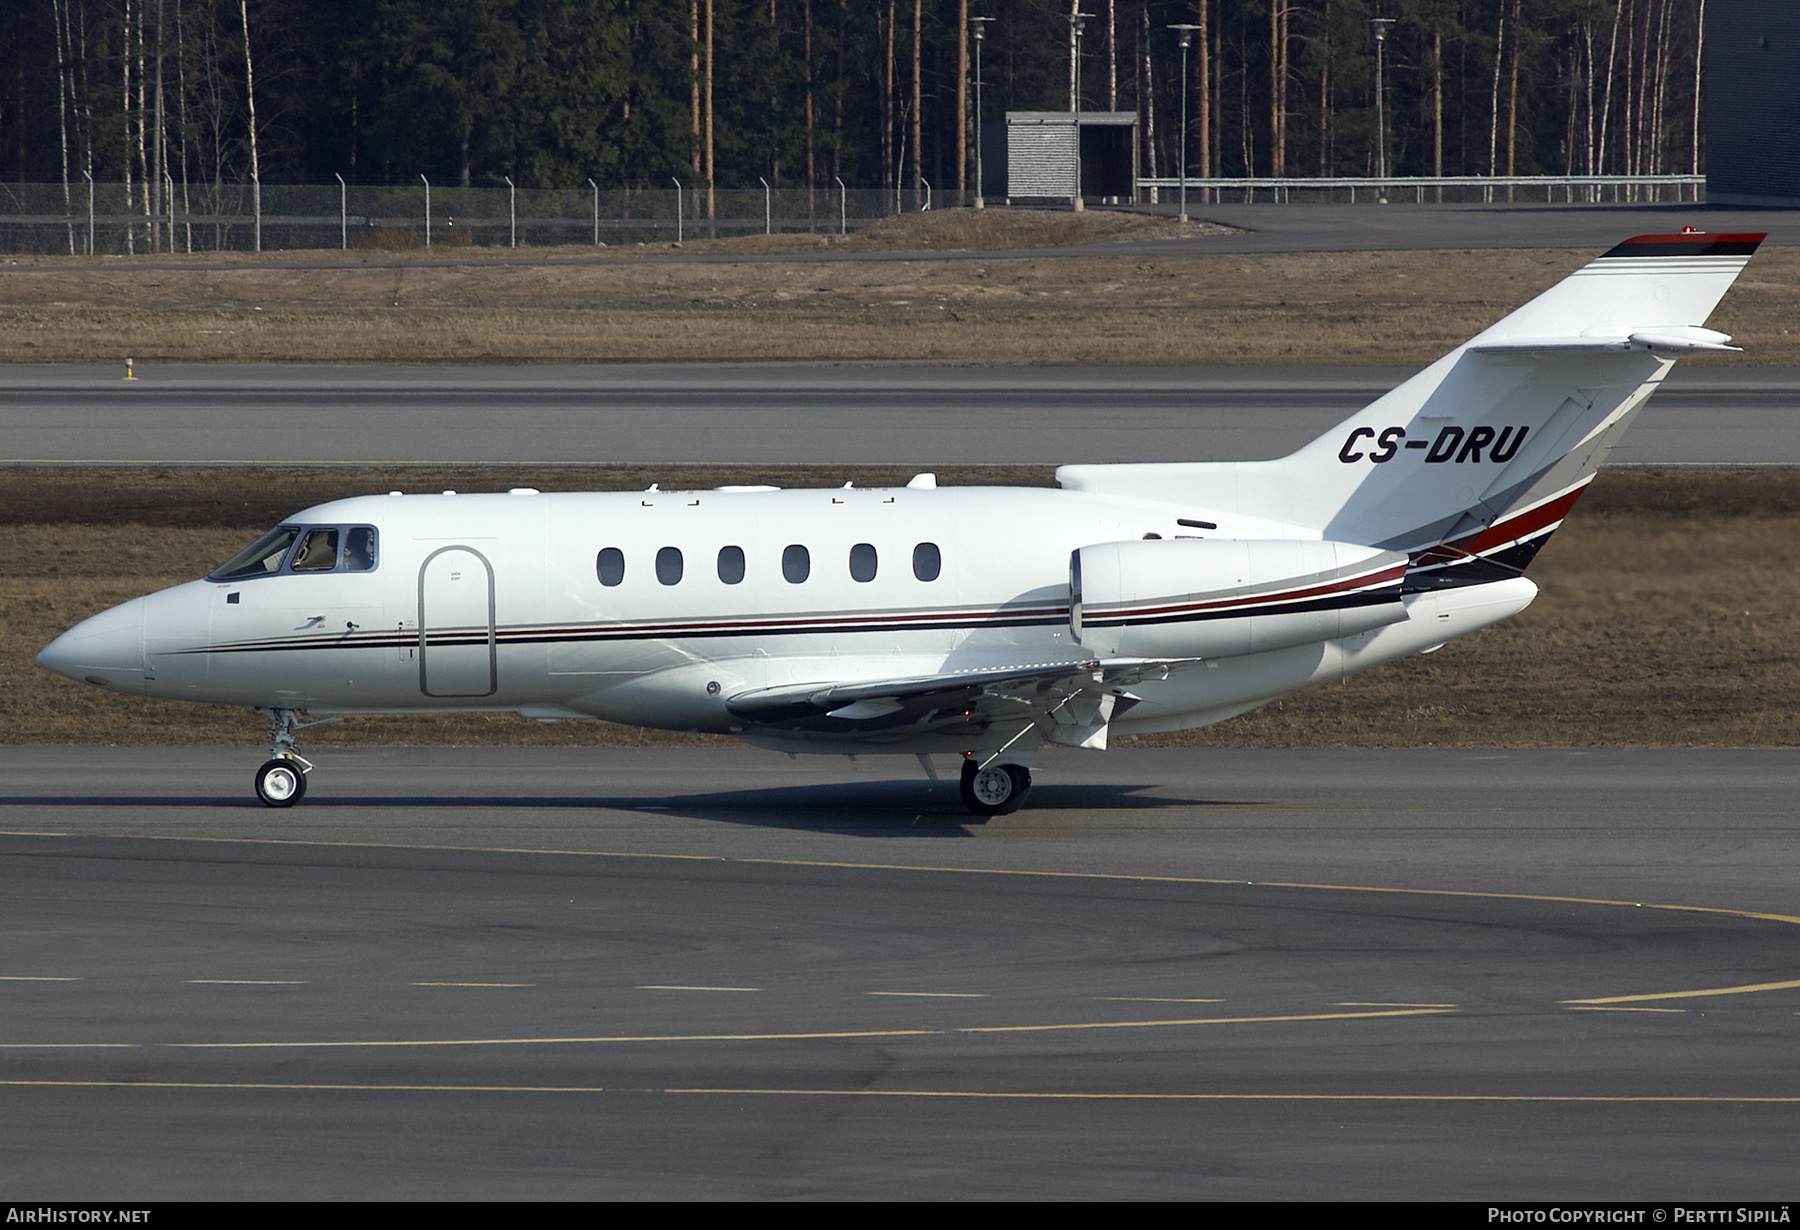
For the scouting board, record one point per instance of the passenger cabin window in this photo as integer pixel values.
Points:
(731, 565)
(303, 549)
(668, 565)
(796, 564)
(862, 562)
(610, 564)
(927, 563)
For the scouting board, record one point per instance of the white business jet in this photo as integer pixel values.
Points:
(975, 622)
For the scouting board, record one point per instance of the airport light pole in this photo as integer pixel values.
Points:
(1077, 25)
(978, 29)
(1186, 32)
(1379, 25)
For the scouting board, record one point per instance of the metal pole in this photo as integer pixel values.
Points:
(678, 190)
(980, 29)
(1077, 24)
(926, 207)
(1184, 133)
(90, 180)
(596, 188)
(1186, 33)
(768, 215)
(1380, 104)
(256, 184)
(427, 184)
(843, 207)
(343, 214)
(512, 212)
(1380, 26)
(171, 182)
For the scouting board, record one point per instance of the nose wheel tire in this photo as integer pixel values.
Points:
(995, 790)
(280, 783)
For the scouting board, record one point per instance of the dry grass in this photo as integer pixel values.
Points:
(568, 305)
(1670, 616)
(1677, 634)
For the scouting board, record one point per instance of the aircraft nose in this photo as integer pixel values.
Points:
(107, 650)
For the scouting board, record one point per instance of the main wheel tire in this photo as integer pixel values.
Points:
(996, 790)
(280, 783)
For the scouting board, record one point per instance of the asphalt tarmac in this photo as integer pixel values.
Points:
(769, 414)
(456, 974)
(467, 974)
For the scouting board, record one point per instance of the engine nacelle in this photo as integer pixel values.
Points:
(1219, 597)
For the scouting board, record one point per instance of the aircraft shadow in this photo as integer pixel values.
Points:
(897, 808)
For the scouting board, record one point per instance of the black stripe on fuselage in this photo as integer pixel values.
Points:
(1050, 618)
(1374, 597)
(1688, 245)
(529, 636)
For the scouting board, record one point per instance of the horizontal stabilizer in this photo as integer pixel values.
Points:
(1662, 337)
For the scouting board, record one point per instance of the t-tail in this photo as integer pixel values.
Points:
(1471, 464)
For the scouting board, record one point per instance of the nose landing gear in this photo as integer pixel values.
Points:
(281, 782)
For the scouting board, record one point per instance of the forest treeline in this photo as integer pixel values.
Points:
(883, 93)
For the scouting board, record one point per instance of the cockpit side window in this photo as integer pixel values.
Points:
(317, 552)
(359, 549)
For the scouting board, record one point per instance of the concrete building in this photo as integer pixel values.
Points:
(1046, 155)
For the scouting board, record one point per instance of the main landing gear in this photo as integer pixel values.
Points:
(281, 782)
(995, 790)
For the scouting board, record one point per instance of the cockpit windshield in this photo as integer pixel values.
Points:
(303, 549)
(261, 558)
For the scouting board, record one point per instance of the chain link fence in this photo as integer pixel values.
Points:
(115, 219)
(1434, 190)
(119, 219)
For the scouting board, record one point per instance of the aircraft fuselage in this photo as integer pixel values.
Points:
(657, 608)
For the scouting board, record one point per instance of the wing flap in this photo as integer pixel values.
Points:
(1081, 696)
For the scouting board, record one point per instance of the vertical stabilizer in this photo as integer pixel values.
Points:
(1472, 462)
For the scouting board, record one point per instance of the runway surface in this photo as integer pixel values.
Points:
(465, 974)
(764, 414)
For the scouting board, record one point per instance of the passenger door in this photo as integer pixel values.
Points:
(458, 652)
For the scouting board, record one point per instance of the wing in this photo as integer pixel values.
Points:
(1069, 702)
